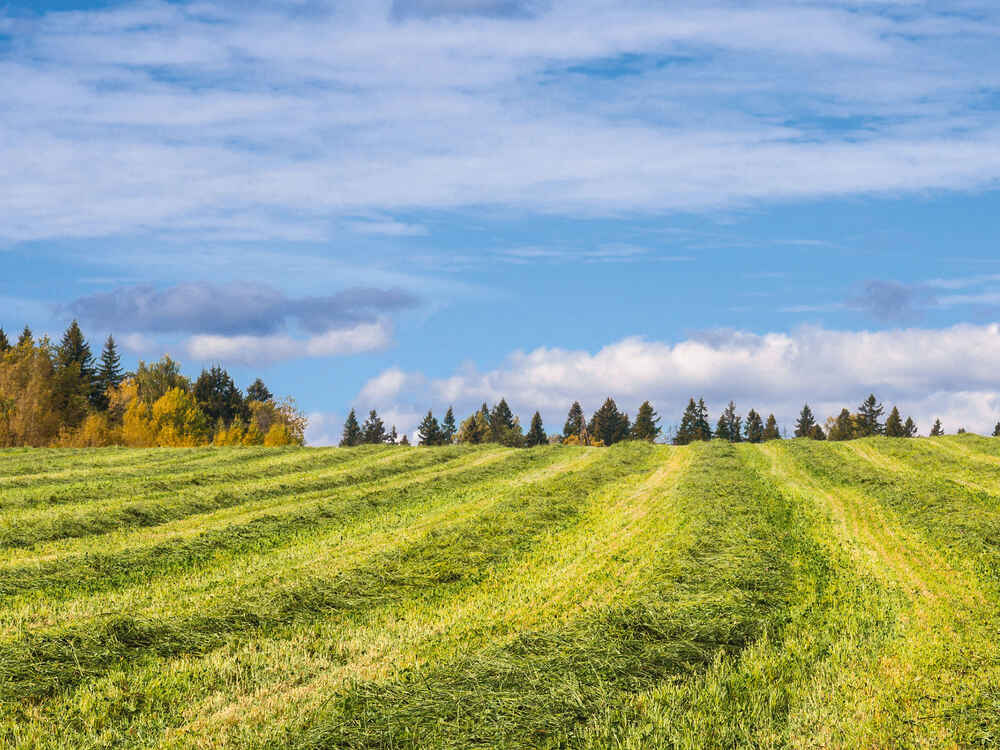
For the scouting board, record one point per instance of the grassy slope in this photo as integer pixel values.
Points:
(791, 594)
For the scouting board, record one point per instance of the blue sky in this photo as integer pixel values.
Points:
(415, 203)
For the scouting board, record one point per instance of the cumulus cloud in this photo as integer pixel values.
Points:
(948, 373)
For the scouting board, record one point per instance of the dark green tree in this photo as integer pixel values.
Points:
(909, 428)
(646, 426)
(536, 432)
(258, 392)
(805, 422)
(429, 431)
(156, 379)
(703, 429)
(393, 437)
(771, 431)
(937, 430)
(754, 429)
(844, 427)
(4, 342)
(218, 396)
(574, 420)
(109, 374)
(352, 434)
(728, 427)
(609, 425)
(816, 433)
(868, 417)
(894, 424)
(25, 338)
(996, 430)
(501, 420)
(73, 382)
(405, 440)
(373, 431)
(688, 429)
(448, 427)
(74, 348)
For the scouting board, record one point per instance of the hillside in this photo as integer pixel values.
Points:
(793, 593)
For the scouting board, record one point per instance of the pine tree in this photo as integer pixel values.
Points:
(608, 424)
(25, 339)
(218, 396)
(771, 431)
(373, 431)
(574, 420)
(74, 348)
(501, 421)
(109, 374)
(868, 416)
(909, 428)
(996, 430)
(448, 428)
(703, 430)
(429, 431)
(646, 425)
(258, 392)
(393, 436)
(352, 434)
(805, 422)
(894, 424)
(754, 427)
(728, 427)
(536, 433)
(687, 431)
(937, 430)
(4, 342)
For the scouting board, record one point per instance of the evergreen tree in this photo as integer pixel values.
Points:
(74, 376)
(646, 425)
(816, 433)
(74, 348)
(894, 424)
(996, 430)
(501, 420)
(771, 431)
(109, 374)
(474, 430)
(687, 431)
(574, 420)
(448, 428)
(728, 427)
(909, 428)
(405, 440)
(352, 434)
(25, 339)
(937, 430)
(218, 396)
(393, 436)
(608, 424)
(373, 431)
(754, 427)
(4, 342)
(429, 431)
(805, 422)
(843, 428)
(536, 433)
(868, 417)
(703, 430)
(258, 392)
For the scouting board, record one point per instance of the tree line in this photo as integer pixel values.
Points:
(58, 395)
(609, 425)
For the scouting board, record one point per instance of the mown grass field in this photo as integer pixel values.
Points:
(791, 594)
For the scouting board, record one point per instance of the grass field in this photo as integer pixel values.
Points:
(790, 594)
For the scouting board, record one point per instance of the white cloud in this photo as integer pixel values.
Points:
(949, 373)
(279, 121)
(250, 350)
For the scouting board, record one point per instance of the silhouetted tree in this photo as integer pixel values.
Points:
(937, 430)
(536, 432)
(448, 428)
(868, 417)
(646, 426)
(754, 427)
(574, 420)
(996, 430)
(771, 431)
(373, 431)
(218, 396)
(258, 391)
(352, 434)
(393, 437)
(909, 428)
(429, 432)
(109, 373)
(805, 422)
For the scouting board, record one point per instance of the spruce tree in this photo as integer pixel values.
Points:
(868, 417)
(805, 422)
(996, 430)
(909, 428)
(218, 396)
(74, 348)
(754, 427)
(843, 427)
(728, 427)
(894, 424)
(687, 431)
(608, 424)
(429, 432)
(448, 428)
(816, 433)
(258, 392)
(25, 339)
(4, 343)
(937, 430)
(373, 431)
(393, 437)
(703, 430)
(501, 421)
(646, 425)
(771, 431)
(109, 374)
(574, 420)
(352, 434)
(536, 432)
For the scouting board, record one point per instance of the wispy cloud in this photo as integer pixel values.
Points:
(271, 120)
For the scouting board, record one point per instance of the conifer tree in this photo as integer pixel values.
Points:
(816, 433)
(405, 440)
(728, 427)
(257, 391)
(909, 428)
(703, 429)
(868, 417)
(25, 338)
(218, 396)
(646, 425)
(608, 424)
(429, 432)
(74, 348)
(373, 431)
(501, 420)
(686, 432)
(937, 430)
(109, 374)
(393, 436)
(894, 424)
(996, 430)
(352, 434)
(448, 428)
(843, 427)
(754, 427)
(4, 342)
(574, 420)
(536, 432)
(771, 431)
(805, 422)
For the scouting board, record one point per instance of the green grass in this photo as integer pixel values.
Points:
(795, 594)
